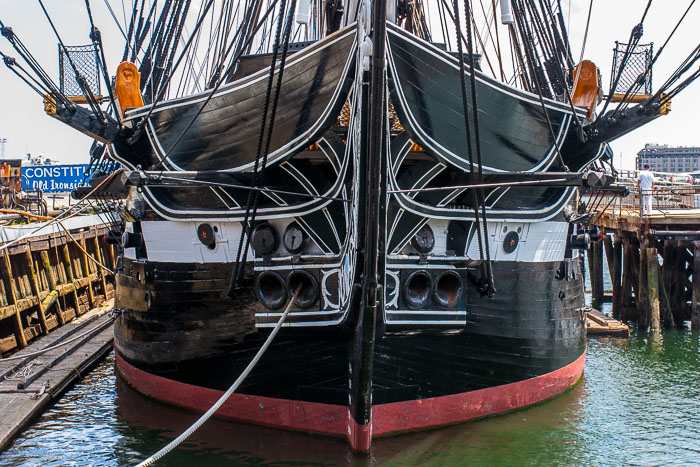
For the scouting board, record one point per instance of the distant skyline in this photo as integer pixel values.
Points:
(28, 129)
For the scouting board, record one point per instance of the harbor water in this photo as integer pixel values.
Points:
(638, 403)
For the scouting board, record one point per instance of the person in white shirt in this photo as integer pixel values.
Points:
(645, 183)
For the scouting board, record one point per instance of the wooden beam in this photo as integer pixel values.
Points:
(86, 270)
(35, 290)
(12, 299)
(626, 286)
(665, 305)
(643, 290)
(695, 310)
(101, 272)
(652, 284)
(53, 284)
(595, 265)
(616, 276)
(68, 267)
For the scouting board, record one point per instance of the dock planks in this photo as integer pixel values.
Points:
(598, 324)
(48, 375)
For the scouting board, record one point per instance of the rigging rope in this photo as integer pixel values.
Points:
(643, 77)
(482, 234)
(251, 188)
(42, 76)
(477, 140)
(206, 101)
(265, 132)
(96, 37)
(634, 38)
(79, 78)
(186, 434)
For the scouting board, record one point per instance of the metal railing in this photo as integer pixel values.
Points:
(670, 192)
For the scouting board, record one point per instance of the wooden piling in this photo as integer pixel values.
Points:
(12, 299)
(100, 271)
(677, 283)
(616, 276)
(642, 294)
(626, 287)
(664, 304)
(86, 270)
(36, 289)
(53, 285)
(595, 264)
(695, 308)
(68, 268)
(652, 299)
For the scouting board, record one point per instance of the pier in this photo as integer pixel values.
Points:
(651, 259)
(51, 277)
(44, 370)
(56, 295)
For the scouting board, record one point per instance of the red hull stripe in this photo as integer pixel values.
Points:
(425, 413)
(336, 420)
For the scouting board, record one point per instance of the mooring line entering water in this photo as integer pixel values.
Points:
(187, 433)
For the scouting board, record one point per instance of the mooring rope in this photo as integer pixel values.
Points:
(186, 434)
(88, 255)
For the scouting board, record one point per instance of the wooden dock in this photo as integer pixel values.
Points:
(651, 259)
(51, 276)
(28, 385)
(55, 299)
(598, 324)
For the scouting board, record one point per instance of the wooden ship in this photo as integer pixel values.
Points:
(349, 172)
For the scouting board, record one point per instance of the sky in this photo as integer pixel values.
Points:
(28, 129)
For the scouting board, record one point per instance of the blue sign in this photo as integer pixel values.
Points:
(54, 177)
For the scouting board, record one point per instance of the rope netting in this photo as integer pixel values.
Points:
(86, 61)
(638, 62)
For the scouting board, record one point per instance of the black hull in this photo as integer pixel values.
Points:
(534, 327)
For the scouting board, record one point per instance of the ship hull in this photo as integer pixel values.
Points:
(335, 420)
(519, 348)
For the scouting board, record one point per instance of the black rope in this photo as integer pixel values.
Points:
(209, 97)
(168, 72)
(116, 21)
(131, 31)
(467, 126)
(634, 38)
(80, 79)
(42, 76)
(491, 289)
(142, 32)
(35, 85)
(565, 51)
(161, 93)
(96, 37)
(635, 88)
(248, 222)
(538, 86)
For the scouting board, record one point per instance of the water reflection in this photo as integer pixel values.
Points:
(638, 403)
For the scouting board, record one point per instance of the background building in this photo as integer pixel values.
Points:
(662, 158)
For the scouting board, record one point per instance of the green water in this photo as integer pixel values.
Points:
(637, 404)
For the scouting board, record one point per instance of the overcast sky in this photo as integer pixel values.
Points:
(28, 129)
